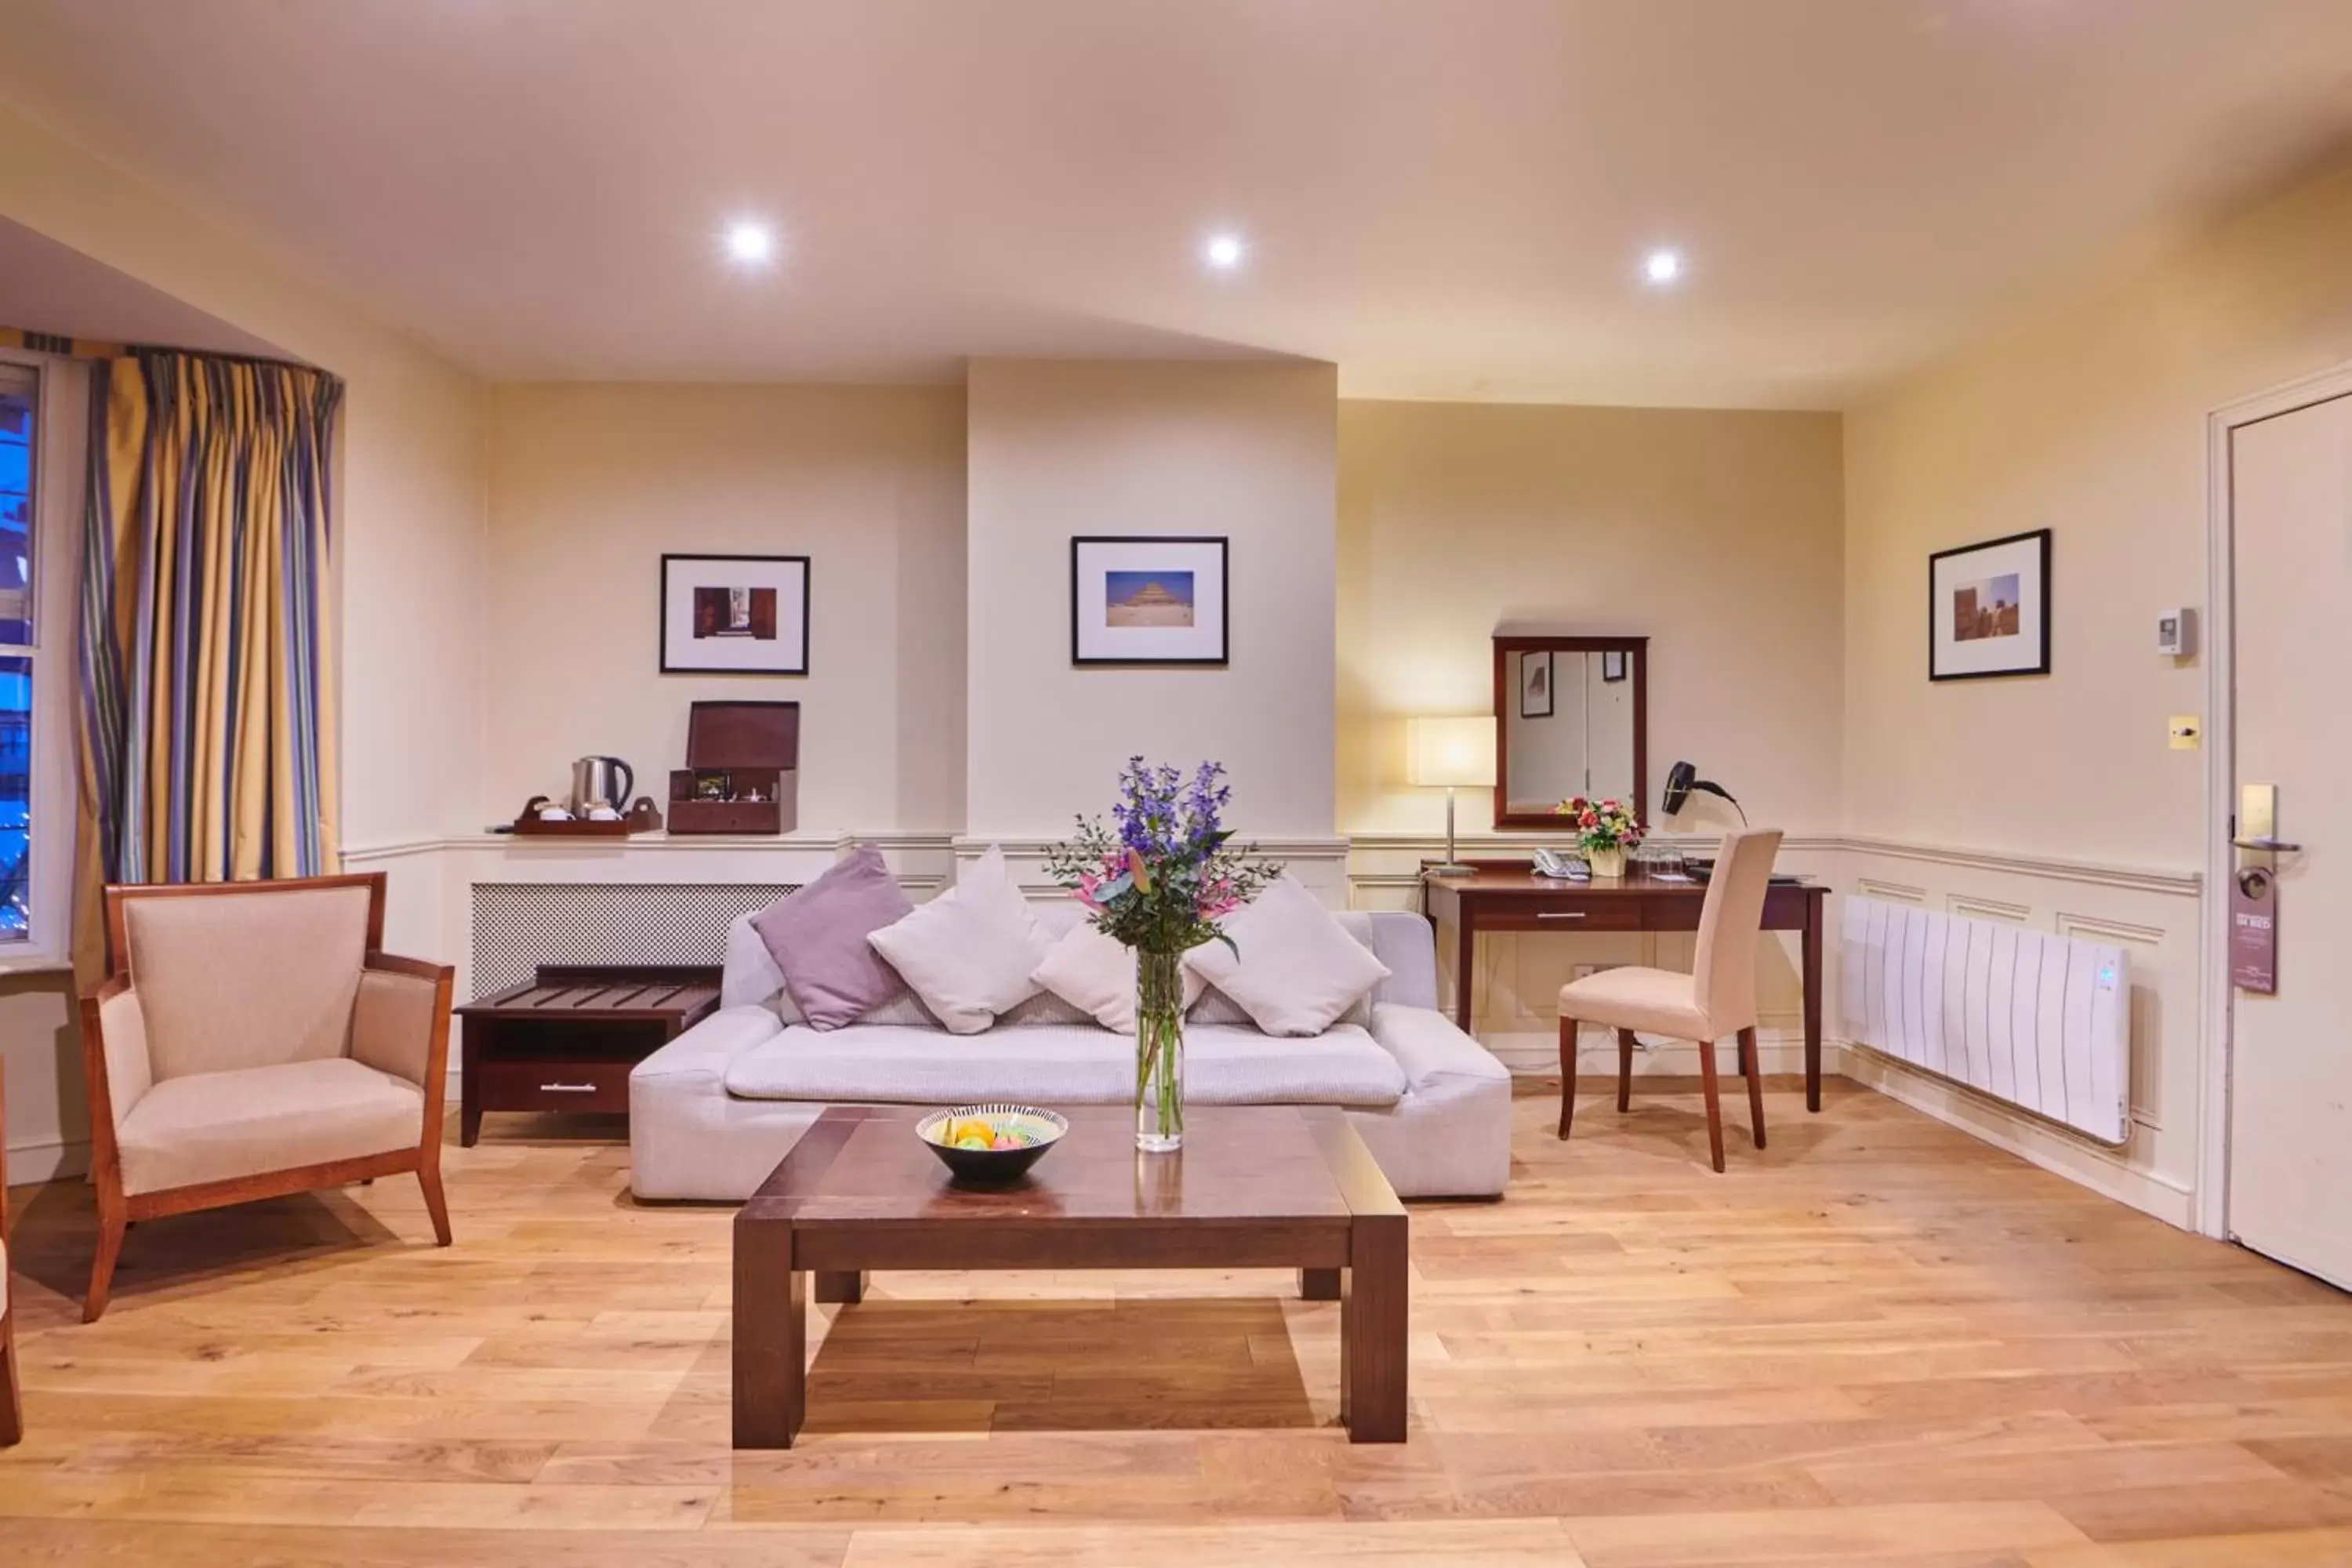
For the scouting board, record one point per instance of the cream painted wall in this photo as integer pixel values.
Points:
(590, 484)
(2087, 419)
(413, 467)
(1065, 448)
(1716, 534)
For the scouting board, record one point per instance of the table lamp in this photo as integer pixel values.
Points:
(1457, 753)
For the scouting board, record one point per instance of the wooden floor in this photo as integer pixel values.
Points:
(1880, 1344)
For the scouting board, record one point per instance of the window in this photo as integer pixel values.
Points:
(41, 490)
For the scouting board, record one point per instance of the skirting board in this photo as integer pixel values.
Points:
(2074, 1159)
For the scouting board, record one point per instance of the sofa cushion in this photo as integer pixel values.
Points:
(1292, 966)
(1051, 1064)
(215, 1127)
(1095, 973)
(968, 954)
(818, 933)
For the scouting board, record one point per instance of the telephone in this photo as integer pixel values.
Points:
(1552, 863)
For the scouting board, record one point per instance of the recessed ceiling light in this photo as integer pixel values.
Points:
(1223, 251)
(1663, 265)
(751, 244)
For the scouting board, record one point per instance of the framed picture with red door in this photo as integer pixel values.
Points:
(734, 615)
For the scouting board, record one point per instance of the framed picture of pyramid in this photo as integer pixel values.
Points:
(1138, 599)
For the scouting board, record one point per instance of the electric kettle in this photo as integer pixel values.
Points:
(601, 781)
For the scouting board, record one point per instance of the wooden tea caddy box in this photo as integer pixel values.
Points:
(757, 746)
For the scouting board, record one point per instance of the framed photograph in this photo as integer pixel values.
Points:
(1988, 608)
(1143, 600)
(1535, 684)
(1613, 664)
(734, 615)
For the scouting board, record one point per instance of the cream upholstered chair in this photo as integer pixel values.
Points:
(1716, 999)
(12, 1406)
(251, 1040)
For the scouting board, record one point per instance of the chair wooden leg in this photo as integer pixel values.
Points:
(1624, 1070)
(428, 1176)
(1748, 1064)
(112, 1224)
(1566, 1073)
(12, 1401)
(1714, 1101)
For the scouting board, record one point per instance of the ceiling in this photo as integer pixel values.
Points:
(47, 287)
(1449, 198)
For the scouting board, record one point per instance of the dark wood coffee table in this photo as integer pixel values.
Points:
(1255, 1186)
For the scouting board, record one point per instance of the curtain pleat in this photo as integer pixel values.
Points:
(208, 739)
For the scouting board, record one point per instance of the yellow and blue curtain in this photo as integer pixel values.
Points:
(207, 652)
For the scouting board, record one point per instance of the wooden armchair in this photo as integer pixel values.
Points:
(252, 1040)
(12, 1406)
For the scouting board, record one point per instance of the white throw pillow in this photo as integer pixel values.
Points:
(1297, 969)
(1094, 973)
(970, 951)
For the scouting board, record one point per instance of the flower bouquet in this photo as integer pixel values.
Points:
(1157, 880)
(1605, 830)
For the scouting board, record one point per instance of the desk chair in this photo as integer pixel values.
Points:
(1716, 999)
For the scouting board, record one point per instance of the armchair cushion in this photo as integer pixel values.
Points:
(392, 1024)
(129, 1070)
(218, 1126)
(252, 980)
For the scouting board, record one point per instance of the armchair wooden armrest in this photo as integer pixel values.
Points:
(12, 1407)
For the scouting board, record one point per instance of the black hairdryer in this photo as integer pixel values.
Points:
(1683, 778)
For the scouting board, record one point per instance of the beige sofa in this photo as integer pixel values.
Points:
(712, 1112)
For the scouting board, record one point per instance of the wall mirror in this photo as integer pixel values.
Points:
(1572, 717)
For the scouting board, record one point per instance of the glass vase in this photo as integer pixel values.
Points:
(1158, 1051)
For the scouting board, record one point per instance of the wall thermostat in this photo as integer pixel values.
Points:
(2176, 633)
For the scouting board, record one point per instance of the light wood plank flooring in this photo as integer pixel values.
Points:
(1878, 1344)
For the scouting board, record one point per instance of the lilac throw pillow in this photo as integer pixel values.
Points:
(818, 936)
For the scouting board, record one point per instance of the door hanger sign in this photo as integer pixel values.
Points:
(2253, 931)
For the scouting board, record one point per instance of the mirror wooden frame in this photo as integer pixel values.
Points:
(1507, 695)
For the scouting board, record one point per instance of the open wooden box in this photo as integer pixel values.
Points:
(735, 751)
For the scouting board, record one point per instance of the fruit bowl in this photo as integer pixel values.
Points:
(1017, 1137)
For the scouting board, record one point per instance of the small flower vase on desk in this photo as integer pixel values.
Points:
(1158, 1052)
(1605, 830)
(1608, 863)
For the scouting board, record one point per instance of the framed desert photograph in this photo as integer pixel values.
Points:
(1144, 600)
(734, 615)
(1988, 608)
(1535, 684)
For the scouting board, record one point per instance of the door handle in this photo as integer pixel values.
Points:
(1559, 915)
(567, 1089)
(2267, 844)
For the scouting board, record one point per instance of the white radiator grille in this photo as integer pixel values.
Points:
(2038, 1020)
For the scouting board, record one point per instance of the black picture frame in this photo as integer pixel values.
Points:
(1528, 710)
(1223, 572)
(1613, 664)
(795, 664)
(1939, 614)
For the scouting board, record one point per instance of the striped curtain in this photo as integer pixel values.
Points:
(207, 656)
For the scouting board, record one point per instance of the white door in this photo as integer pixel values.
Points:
(2291, 1061)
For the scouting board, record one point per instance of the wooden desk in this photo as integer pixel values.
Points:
(1505, 895)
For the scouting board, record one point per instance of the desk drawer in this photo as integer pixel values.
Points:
(1567, 912)
(555, 1085)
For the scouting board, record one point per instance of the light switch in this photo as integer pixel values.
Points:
(2187, 732)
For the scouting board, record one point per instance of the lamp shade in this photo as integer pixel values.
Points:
(1452, 751)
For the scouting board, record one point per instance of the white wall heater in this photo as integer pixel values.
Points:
(2038, 1020)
